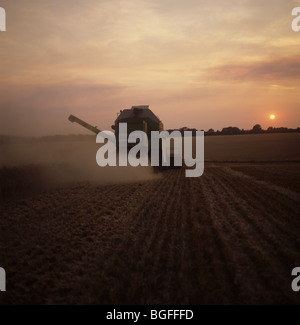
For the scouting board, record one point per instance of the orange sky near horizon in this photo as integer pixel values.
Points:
(197, 63)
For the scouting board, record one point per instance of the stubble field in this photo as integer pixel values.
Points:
(228, 237)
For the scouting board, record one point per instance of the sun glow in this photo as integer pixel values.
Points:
(272, 116)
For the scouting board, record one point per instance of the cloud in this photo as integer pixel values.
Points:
(43, 109)
(268, 69)
(281, 87)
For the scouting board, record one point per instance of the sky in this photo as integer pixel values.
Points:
(197, 63)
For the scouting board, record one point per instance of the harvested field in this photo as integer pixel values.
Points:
(228, 237)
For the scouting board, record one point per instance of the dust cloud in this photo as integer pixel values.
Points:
(38, 165)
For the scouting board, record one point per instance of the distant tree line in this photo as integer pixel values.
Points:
(4, 139)
(230, 130)
(233, 130)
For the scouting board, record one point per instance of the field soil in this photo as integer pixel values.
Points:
(228, 237)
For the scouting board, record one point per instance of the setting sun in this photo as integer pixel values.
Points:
(272, 117)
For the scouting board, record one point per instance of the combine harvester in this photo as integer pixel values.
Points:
(138, 118)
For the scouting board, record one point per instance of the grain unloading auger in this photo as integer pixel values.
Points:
(94, 129)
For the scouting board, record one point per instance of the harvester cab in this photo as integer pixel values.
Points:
(138, 118)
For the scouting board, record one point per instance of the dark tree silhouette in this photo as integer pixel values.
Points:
(257, 128)
(231, 130)
(211, 131)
